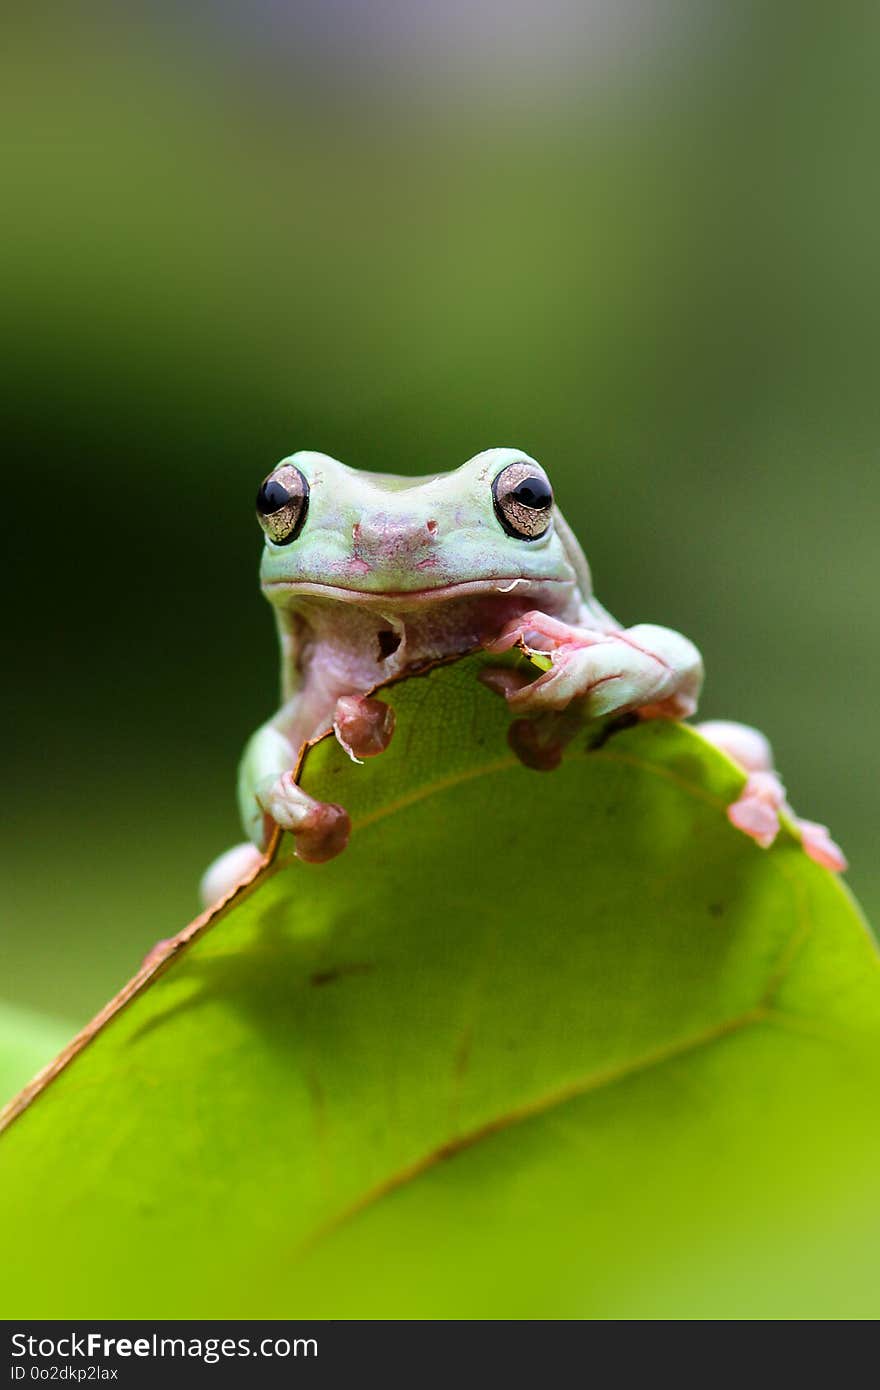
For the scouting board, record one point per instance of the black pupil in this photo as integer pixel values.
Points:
(271, 497)
(533, 493)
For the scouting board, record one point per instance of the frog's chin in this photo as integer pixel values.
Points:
(286, 591)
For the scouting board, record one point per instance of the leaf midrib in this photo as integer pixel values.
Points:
(531, 1109)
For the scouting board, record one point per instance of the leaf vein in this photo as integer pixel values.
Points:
(531, 1109)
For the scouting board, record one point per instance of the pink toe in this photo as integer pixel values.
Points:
(819, 845)
(534, 743)
(755, 819)
(324, 835)
(363, 726)
(157, 952)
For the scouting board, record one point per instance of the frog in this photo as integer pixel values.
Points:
(374, 576)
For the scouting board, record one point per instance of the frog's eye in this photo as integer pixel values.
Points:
(523, 500)
(282, 504)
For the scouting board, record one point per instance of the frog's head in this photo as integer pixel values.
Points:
(488, 527)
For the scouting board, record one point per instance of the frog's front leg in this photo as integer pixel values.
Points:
(270, 795)
(646, 668)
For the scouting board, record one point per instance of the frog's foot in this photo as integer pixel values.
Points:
(226, 873)
(645, 668)
(320, 829)
(363, 726)
(757, 809)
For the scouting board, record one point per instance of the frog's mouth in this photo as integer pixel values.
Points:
(502, 585)
(387, 632)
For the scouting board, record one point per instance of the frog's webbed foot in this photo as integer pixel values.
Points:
(363, 726)
(762, 800)
(320, 829)
(646, 668)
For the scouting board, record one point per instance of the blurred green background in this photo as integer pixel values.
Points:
(639, 240)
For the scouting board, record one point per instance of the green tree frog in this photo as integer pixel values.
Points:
(371, 576)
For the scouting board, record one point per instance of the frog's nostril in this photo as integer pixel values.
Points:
(431, 528)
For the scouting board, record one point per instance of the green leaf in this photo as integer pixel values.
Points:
(536, 1045)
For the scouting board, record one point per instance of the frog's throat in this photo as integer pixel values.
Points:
(336, 644)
